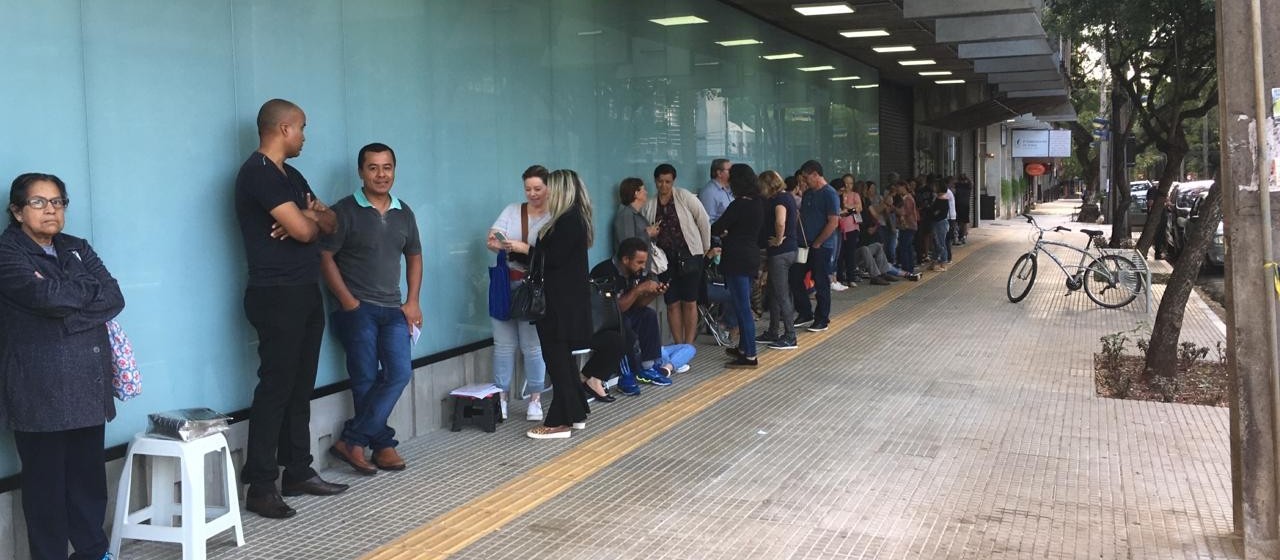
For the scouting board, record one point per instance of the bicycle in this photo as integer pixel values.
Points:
(1111, 281)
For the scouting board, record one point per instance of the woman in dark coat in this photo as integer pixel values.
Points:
(562, 252)
(55, 382)
(739, 230)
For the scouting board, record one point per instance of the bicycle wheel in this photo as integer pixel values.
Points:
(1021, 277)
(1112, 281)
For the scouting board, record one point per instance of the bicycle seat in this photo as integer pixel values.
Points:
(1091, 232)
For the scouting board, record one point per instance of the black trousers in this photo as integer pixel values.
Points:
(568, 399)
(64, 492)
(290, 323)
(606, 353)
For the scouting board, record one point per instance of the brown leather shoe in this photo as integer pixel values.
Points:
(388, 460)
(353, 455)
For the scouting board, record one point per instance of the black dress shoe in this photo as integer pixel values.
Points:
(315, 486)
(269, 505)
(605, 398)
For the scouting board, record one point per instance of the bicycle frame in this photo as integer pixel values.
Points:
(1086, 257)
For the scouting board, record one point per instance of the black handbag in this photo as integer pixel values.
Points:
(529, 301)
(605, 315)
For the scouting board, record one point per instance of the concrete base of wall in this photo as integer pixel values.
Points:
(421, 409)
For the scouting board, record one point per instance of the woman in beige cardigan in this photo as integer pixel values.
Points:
(684, 234)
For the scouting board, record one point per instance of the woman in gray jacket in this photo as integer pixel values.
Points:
(55, 382)
(684, 234)
(628, 222)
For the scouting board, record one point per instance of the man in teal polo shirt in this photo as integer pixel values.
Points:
(361, 265)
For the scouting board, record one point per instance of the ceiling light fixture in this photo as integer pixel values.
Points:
(866, 86)
(899, 48)
(823, 9)
(844, 78)
(857, 33)
(782, 56)
(678, 20)
(936, 73)
(739, 42)
(817, 68)
(944, 82)
(918, 62)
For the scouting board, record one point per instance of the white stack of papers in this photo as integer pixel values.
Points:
(479, 391)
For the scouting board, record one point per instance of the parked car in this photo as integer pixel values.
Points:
(1185, 200)
(1138, 204)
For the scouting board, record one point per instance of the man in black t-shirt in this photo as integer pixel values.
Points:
(626, 274)
(280, 221)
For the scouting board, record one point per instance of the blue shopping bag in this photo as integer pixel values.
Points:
(500, 289)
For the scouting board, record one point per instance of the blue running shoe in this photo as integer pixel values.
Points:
(627, 384)
(653, 377)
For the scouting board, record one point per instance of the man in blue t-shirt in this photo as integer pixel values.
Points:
(280, 222)
(819, 216)
(375, 322)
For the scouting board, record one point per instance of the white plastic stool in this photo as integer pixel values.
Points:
(173, 460)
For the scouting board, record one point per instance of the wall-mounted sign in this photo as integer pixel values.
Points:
(1035, 169)
(1042, 143)
(1059, 143)
(1030, 143)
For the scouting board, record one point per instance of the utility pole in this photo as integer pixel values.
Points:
(1104, 151)
(1248, 70)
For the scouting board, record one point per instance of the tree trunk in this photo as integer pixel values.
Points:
(1162, 354)
(1176, 151)
(1120, 126)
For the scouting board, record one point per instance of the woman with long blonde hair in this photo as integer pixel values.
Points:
(561, 253)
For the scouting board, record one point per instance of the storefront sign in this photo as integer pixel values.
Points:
(1035, 169)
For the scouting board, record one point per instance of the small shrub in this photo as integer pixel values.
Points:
(1189, 353)
(1169, 386)
(1114, 378)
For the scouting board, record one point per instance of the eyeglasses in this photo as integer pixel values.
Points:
(39, 202)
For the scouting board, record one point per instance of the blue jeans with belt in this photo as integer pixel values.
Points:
(374, 336)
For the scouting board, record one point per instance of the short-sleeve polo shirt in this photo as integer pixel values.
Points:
(369, 246)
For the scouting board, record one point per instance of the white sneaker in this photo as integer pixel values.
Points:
(836, 286)
(504, 408)
(579, 425)
(684, 368)
(535, 411)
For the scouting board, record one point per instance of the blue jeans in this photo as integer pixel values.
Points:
(889, 237)
(717, 293)
(678, 355)
(740, 289)
(507, 336)
(907, 249)
(374, 335)
(941, 248)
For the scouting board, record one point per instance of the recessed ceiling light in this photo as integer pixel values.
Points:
(899, 48)
(817, 68)
(782, 56)
(739, 42)
(712, 63)
(856, 33)
(918, 62)
(948, 81)
(823, 9)
(866, 86)
(844, 78)
(678, 20)
(936, 73)
(590, 33)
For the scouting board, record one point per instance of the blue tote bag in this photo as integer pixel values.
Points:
(500, 289)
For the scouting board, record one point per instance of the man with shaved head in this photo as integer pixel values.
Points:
(281, 221)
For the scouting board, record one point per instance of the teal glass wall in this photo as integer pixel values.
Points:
(146, 108)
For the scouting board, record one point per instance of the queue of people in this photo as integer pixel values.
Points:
(770, 238)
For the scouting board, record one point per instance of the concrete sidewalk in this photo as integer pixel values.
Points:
(935, 420)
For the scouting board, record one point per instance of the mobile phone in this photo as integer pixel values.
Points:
(500, 237)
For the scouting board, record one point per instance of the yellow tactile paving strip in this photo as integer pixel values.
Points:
(456, 529)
